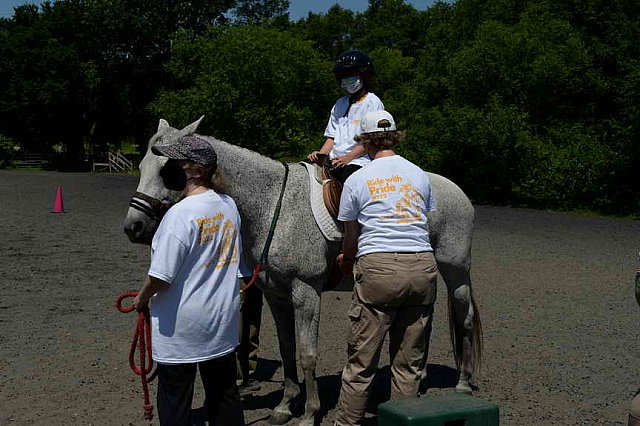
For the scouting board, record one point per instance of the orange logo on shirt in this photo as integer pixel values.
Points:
(378, 188)
(227, 251)
(409, 207)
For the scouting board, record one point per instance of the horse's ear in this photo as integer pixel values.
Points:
(163, 125)
(191, 128)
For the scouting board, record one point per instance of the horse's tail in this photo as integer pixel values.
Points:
(476, 338)
(457, 334)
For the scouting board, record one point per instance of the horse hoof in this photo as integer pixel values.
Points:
(279, 418)
(464, 388)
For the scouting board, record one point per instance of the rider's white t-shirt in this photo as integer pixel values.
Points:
(197, 250)
(390, 198)
(343, 127)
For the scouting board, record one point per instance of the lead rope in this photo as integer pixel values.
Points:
(264, 257)
(141, 340)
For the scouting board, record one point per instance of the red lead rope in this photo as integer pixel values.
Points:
(254, 276)
(141, 340)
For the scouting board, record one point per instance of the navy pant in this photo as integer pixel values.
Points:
(222, 399)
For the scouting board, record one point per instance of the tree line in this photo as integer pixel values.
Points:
(522, 102)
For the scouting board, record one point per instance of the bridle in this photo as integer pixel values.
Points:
(151, 207)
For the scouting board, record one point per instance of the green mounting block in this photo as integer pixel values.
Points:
(439, 410)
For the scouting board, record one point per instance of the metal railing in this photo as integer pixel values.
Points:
(119, 162)
(29, 161)
(116, 162)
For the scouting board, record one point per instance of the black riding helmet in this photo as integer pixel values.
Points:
(353, 60)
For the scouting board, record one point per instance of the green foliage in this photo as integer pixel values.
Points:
(567, 170)
(478, 146)
(80, 71)
(391, 23)
(523, 102)
(258, 87)
(260, 11)
(331, 33)
(7, 148)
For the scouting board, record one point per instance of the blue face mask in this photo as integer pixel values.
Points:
(351, 84)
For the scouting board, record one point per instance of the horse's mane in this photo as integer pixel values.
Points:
(167, 135)
(241, 150)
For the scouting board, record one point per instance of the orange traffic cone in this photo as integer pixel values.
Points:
(58, 205)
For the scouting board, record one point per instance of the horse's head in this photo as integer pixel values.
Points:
(151, 199)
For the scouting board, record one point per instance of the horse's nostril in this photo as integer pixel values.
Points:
(137, 228)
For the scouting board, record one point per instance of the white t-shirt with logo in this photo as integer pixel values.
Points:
(390, 198)
(197, 250)
(343, 127)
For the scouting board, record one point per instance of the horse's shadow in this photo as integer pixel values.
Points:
(265, 371)
(438, 376)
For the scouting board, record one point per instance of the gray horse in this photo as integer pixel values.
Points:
(300, 259)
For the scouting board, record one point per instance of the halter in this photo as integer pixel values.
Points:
(151, 207)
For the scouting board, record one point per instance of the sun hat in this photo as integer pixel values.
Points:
(378, 121)
(191, 148)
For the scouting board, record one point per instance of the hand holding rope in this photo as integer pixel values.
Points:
(142, 341)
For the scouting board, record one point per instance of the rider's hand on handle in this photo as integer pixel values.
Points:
(313, 157)
(340, 161)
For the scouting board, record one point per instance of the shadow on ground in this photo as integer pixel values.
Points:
(438, 376)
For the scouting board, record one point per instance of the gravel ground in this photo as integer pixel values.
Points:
(555, 293)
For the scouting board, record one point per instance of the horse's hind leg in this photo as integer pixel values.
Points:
(306, 302)
(282, 311)
(464, 323)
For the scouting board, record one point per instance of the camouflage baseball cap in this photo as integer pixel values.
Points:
(191, 148)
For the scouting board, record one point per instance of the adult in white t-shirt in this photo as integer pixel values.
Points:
(354, 72)
(192, 289)
(384, 208)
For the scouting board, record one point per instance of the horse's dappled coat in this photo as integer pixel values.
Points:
(300, 259)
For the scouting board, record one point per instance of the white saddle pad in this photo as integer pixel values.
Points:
(330, 228)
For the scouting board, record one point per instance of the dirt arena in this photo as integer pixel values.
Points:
(555, 291)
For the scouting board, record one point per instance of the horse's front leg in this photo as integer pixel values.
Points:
(282, 311)
(306, 303)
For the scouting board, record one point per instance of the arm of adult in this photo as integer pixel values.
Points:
(349, 246)
(151, 286)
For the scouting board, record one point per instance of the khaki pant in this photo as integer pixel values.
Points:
(394, 293)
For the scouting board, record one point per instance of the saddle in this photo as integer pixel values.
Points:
(331, 188)
(325, 200)
(331, 191)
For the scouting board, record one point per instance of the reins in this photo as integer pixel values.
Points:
(142, 341)
(264, 257)
(156, 208)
